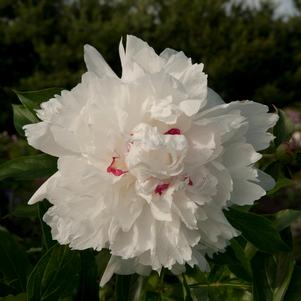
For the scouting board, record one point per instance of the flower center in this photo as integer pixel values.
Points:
(161, 188)
(188, 180)
(173, 131)
(113, 168)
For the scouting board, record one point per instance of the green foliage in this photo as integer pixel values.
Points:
(32, 99)
(28, 167)
(55, 275)
(14, 264)
(294, 289)
(251, 225)
(47, 241)
(22, 116)
(88, 284)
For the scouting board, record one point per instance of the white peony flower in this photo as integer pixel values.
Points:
(147, 162)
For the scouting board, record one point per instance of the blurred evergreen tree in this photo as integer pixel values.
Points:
(247, 53)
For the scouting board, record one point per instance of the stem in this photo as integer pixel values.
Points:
(187, 294)
(161, 284)
(250, 250)
(221, 284)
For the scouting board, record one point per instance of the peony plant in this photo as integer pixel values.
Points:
(156, 174)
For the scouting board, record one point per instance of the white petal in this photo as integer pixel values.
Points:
(190, 106)
(239, 154)
(186, 210)
(245, 191)
(259, 121)
(112, 266)
(213, 99)
(192, 77)
(40, 137)
(96, 63)
(167, 53)
(139, 53)
(238, 158)
(123, 267)
(41, 193)
(265, 180)
(161, 209)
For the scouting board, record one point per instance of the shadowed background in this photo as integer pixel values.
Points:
(249, 51)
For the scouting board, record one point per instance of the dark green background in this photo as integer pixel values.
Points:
(247, 53)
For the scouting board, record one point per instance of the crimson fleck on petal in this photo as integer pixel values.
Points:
(161, 188)
(115, 171)
(173, 131)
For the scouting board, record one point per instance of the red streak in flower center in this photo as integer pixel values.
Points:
(114, 170)
(173, 131)
(190, 183)
(161, 188)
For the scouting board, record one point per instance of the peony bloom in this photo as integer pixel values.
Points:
(147, 162)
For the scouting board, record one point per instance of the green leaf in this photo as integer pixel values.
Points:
(230, 259)
(14, 264)
(241, 256)
(261, 288)
(55, 275)
(33, 99)
(294, 290)
(272, 275)
(25, 211)
(283, 129)
(89, 282)
(47, 241)
(22, 116)
(102, 258)
(28, 167)
(256, 229)
(285, 267)
(186, 289)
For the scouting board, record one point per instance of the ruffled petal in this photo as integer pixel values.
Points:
(257, 118)
(134, 64)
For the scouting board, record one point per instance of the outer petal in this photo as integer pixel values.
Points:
(123, 267)
(238, 159)
(265, 180)
(96, 63)
(192, 77)
(259, 121)
(41, 193)
(216, 231)
(138, 58)
(213, 99)
(41, 137)
(56, 135)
